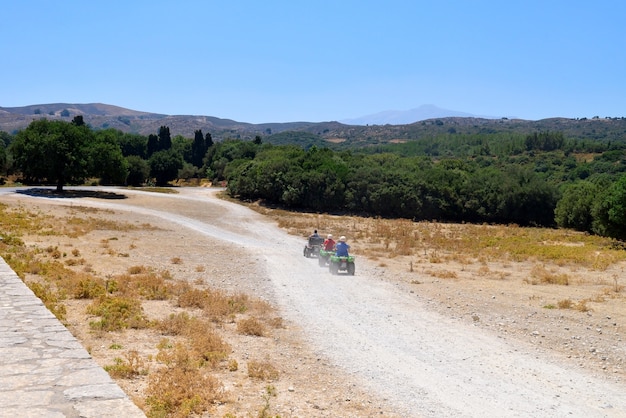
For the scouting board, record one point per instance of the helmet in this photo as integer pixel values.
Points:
(329, 236)
(342, 238)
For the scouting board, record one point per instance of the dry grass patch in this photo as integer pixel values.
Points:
(128, 367)
(180, 388)
(117, 313)
(541, 275)
(580, 306)
(216, 304)
(149, 285)
(384, 238)
(442, 274)
(251, 326)
(262, 370)
(204, 345)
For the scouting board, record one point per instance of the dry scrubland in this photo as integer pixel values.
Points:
(558, 290)
(180, 344)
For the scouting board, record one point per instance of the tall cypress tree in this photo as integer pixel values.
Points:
(198, 149)
(153, 145)
(208, 140)
(165, 139)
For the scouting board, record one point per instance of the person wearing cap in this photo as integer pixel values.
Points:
(329, 243)
(342, 247)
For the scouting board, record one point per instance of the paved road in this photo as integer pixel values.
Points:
(44, 371)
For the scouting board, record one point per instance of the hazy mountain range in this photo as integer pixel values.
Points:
(405, 117)
(100, 115)
(426, 121)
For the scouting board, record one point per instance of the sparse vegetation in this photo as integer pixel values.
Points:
(263, 370)
(251, 326)
(128, 367)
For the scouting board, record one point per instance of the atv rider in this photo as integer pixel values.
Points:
(342, 247)
(329, 243)
(315, 239)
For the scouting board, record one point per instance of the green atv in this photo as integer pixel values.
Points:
(341, 264)
(324, 257)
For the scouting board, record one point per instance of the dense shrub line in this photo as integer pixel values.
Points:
(535, 187)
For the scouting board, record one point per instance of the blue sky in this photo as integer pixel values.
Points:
(285, 61)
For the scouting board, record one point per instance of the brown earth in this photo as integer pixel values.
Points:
(495, 298)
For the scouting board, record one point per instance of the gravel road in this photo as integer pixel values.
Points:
(386, 337)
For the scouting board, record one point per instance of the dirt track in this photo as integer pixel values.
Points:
(382, 334)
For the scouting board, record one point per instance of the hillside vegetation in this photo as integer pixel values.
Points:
(554, 172)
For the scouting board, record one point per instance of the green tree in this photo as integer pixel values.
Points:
(164, 166)
(52, 150)
(3, 157)
(106, 159)
(138, 170)
(199, 148)
(133, 144)
(609, 212)
(165, 138)
(182, 146)
(574, 209)
(152, 146)
(208, 140)
(5, 138)
(78, 120)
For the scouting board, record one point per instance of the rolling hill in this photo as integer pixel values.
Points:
(103, 116)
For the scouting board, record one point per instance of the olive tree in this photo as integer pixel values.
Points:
(53, 151)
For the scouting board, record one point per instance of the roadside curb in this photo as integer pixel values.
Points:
(44, 370)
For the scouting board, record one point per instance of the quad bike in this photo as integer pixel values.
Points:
(324, 257)
(313, 246)
(341, 263)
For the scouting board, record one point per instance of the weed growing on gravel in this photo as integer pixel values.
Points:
(193, 298)
(128, 367)
(262, 370)
(270, 392)
(543, 275)
(180, 389)
(443, 274)
(204, 345)
(569, 304)
(117, 313)
(89, 287)
(138, 269)
(216, 304)
(174, 324)
(149, 285)
(251, 326)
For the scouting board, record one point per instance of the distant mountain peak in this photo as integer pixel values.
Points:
(405, 117)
